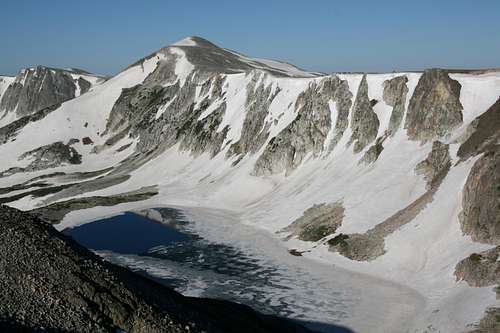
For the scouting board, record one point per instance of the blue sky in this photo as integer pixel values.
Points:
(328, 36)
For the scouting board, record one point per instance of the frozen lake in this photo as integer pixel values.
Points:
(204, 253)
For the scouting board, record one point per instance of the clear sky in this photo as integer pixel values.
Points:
(105, 36)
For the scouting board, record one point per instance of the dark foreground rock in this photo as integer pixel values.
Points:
(49, 283)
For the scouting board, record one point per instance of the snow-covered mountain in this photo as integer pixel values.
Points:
(393, 175)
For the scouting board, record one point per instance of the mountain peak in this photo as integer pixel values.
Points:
(194, 41)
(208, 56)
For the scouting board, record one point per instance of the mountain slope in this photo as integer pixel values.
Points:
(357, 170)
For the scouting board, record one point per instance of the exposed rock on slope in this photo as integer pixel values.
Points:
(308, 131)
(395, 91)
(483, 270)
(255, 131)
(45, 157)
(480, 270)
(50, 283)
(394, 94)
(164, 116)
(490, 323)
(435, 107)
(317, 222)
(480, 217)
(38, 88)
(343, 102)
(436, 165)
(8, 132)
(485, 133)
(55, 212)
(364, 121)
(374, 151)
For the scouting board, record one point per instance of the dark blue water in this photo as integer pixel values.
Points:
(128, 233)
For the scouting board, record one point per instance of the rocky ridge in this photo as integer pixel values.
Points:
(37, 88)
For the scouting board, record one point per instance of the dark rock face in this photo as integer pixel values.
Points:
(364, 121)
(255, 131)
(308, 131)
(435, 107)
(480, 217)
(36, 89)
(48, 156)
(84, 85)
(317, 222)
(49, 283)
(87, 141)
(437, 164)
(395, 91)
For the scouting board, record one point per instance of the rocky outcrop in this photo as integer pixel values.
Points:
(163, 116)
(395, 91)
(50, 283)
(84, 85)
(480, 269)
(255, 130)
(37, 88)
(480, 216)
(307, 133)
(9, 131)
(490, 323)
(317, 222)
(364, 121)
(45, 157)
(342, 97)
(51, 155)
(434, 109)
(372, 154)
(200, 137)
(55, 212)
(484, 133)
(436, 165)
